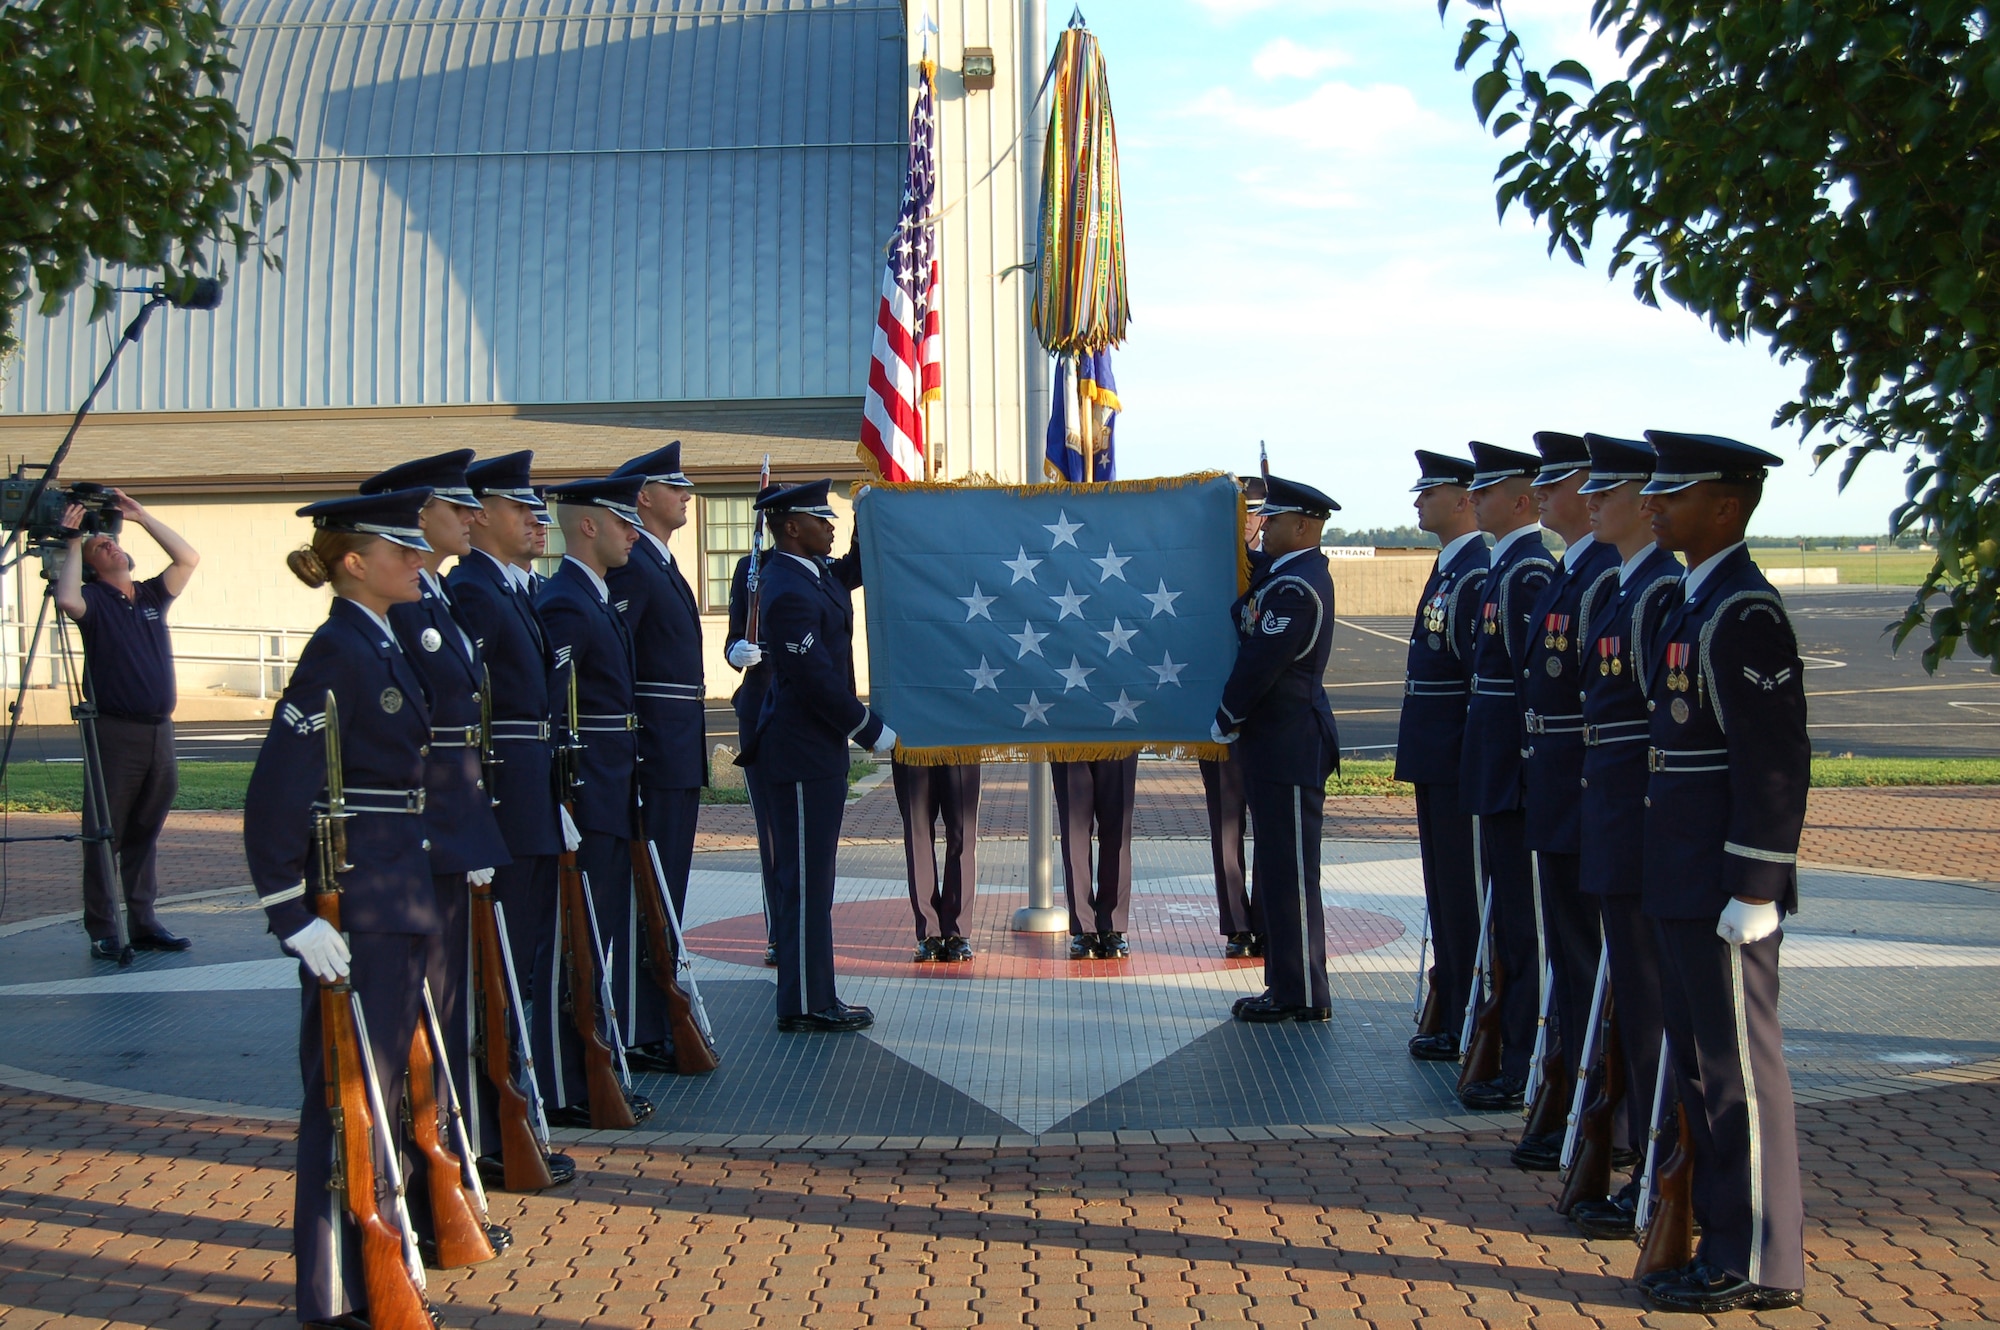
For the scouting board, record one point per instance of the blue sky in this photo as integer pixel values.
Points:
(1316, 262)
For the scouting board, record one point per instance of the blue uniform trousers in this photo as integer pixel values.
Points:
(1635, 979)
(1572, 940)
(1222, 789)
(766, 860)
(805, 818)
(606, 862)
(670, 823)
(387, 972)
(1445, 839)
(1504, 857)
(1286, 861)
(528, 889)
(1102, 793)
(926, 796)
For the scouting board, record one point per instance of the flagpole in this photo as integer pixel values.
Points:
(1040, 914)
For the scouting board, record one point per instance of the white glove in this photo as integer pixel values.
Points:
(480, 877)
(1743, 923)
(320, 945)
(572, 838)
(745, 653)
(1215, 733)
(886, 742)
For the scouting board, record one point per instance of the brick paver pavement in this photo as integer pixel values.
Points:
(124, 1216)
(1951, 831)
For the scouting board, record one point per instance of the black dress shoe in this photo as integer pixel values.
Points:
(657, 1057)
(771, 954)
(640, 1106)
(1243, 1002)
(1256, 944)
(1114, 947)
(104, 949)
(1434, 1047)
(493, 1170)
(1613, 1218)
(956, 949)
(576, 1115)
(1083, 947)
(1705, 1290)
(1494, 1096)
(833, 1020)
(1264, 1011)
(930, 949)
(1659, 1277)
(350, 1321)
(1541, 1153)
(1623, 1159)
(160, 940)
(1237, 947)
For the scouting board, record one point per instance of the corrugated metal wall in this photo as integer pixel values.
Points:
(539, 201)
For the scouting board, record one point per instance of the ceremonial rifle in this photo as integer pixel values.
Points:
(1586, 1058)
(489, 757)
(1479, 1037)
(666, 962)
(523, 1151)
(389, 1270)
(1668, 1242)
(1643, 1212)
(752, 575)
(589, 987)
(1590, 1174)
(1544, 1109)
(458, 1224)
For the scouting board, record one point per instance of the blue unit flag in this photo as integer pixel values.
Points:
(1057, 622)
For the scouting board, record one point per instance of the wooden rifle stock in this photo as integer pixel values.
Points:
(1590, 1174)
(455, 1221)
(1482, 1055)
(1548, 1113)
(1669, 1238)
(693, 1053)
(527, 1168)
(609, 1109)
(1431, 1019)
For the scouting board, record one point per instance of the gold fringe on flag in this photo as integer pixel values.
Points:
(967, 754)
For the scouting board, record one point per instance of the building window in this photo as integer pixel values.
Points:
(726, 524)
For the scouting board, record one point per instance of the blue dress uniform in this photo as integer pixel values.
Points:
(389, 909)
(1275, 705)
(664, 621)
(1729, 767)
(590, 642)
(1228, 806)
(499, 612)
(1491, 781)
(1096, 796)
(458, 813)
(799, 749)
(1430, 745)
(1613, 789)
(1552, 761)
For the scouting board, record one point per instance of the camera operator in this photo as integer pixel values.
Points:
(128, 668)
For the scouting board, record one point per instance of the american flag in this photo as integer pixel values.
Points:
(906, 366)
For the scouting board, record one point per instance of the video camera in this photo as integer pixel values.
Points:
(42, 524)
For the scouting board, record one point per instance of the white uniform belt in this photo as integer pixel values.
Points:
(1536, 723)
(1687, 759)
(1485, 687)
(1433, 687)
(454, 736)
(614, 723)
(679, 692)
(358, 799)
(1616, 732)
(525, 730)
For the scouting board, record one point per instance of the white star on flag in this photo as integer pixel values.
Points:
(1035, 710)
(1022, 565)
(1117, 637)
(1064, 531)
(1163, 600)
(1070, 602)
(984, 676)
(1029, 640)
(976, 603)
(1112, 565)
(1167, 669)
(1124, 708)
(1076, 674)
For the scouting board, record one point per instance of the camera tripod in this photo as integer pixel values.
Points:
(95, 833)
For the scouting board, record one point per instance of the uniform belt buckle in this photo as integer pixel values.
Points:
(1655, 760)
(414, 800)
(1532, 723)
(1590, 736)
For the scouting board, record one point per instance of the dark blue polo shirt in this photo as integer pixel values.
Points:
(126, 651)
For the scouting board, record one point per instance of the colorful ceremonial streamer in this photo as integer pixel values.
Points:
(1080, 304)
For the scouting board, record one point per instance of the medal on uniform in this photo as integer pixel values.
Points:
(1554, 666)
(431, 640)
(1607, 654)
(1555, 633)
(1679, 711)
(1492, 611)
(1677, 659)
(1436, 642)
(1434, 617)
(392, 700)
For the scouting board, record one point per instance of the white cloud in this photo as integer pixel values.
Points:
(1286, 59)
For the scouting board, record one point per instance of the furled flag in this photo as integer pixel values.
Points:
(1045, 622)
(1094, 392)
(906, 366)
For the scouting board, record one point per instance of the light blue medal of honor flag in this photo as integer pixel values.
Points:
(1050, 622)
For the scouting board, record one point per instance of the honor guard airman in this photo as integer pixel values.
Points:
(1552, 769)
(592, 647)
(1097, 797)
(490, 595)
(466, 844)
(365, 931)
(1275, 712)
(800, 749)
(1223, 791)
(664, 621)
(1430, 743)
(1729, 763)
(744, 650)
(1613, 785)
(941, 900)
(1490, 773)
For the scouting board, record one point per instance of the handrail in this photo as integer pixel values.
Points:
(271, 651)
